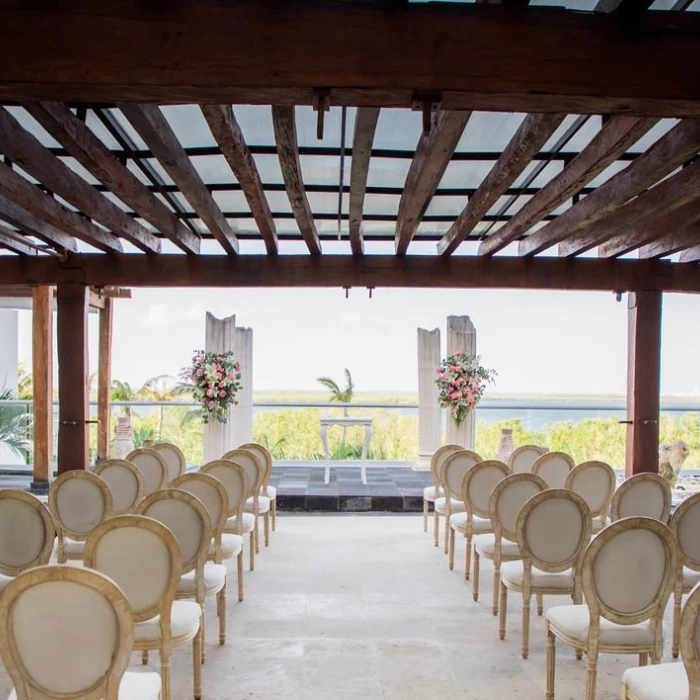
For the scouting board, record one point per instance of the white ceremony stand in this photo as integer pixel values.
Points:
(345, 421)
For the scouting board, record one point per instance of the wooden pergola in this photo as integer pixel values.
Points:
(351, 143)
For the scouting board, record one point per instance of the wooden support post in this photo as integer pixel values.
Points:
(643, 382)
(104, 380)
(42, 382)
(72, 376)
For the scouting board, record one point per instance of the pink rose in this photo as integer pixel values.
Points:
(222, 393)
(458, 353)
(222, 385)
(210, 392)
(211, 404)
(200, 372)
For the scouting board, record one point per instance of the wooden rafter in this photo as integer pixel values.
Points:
(233, 53)
(668, 153)
(623, 7)
(388, 271)
(229, 136)
(433, 154)
(13, 242)
(288, 153)
(26, 151)
(19, 191)
(615, 137)
(73, 134)
(365, 126)
(532, 134)
(667, 197)
(692, 255)
(154, 129)
(32, 225)
(679, 231)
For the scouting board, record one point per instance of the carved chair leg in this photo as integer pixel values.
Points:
(221, 601)
(436, 528)
(144, 657)
(551, 661)
(468, 558)
(496, 588)
(197, 664)
(425, 515)
(592, 676)
(267, 528)
(447, 531)
(165, 676)
(643, 659)
(503, 608)
(257, 534)
(251, 547)
(675, 650)
(475, 582)
(239, 566)
(273, 506)
(451, 550)
(540, 604)
(525, 629)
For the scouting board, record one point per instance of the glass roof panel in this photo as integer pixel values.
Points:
(130, 131)
(550, 170)
(115, 200)
(579, 137)
(269, 169)
(398, 129)
(381, 204)
(98, 128)
(469, 174)
(446, 206)
(320, 170)
(189, 125)
(256, 124)
(180, 198)
(165, 178)
(78, 169)
(489, 131)
(387, 172)
(279, 202)
(653, 135)
(323, 202)
(307, 121)
(287, 226)
(213, 169)
(138, 172)
(231, 201)
(28, 122)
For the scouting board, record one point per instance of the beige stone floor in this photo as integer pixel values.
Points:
(364, 608)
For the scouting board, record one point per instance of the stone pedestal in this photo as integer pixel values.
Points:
(123, 440)
(429, 424)
(506, 445)
(461, 336)
(241, 415)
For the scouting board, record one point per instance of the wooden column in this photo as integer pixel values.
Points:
(42, 382)
(643, 382)
(72, 376)
(104, 380)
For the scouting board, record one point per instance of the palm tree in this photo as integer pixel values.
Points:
(338, 394)
(123, 391)
(25, 388)
(160, 388)
(14, 426)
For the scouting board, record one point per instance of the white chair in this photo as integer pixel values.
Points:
(143, 558)
(174, 458)
(523, 457)
(125, 483)
(153, 468)
(646, 495)
(235, 481)
(672, 681)
(685, 526)
(268, 491)
(27, 534)
(553, 530)
(507, 499)
(255, 504)
(554, 468)
(43, 608)
(595, 482)
(477, 487)
(430, 493)
(79, 501)
(454, 468)
(627, 576)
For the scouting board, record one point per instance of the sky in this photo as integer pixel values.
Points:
(539, 342)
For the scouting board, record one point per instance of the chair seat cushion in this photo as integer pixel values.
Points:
(512, 573)
(231, 545)
(659, 682)
(73, 548)
(429, 493)
(133, 686)
(184, 623)
(269, 492)
(263, 505)
(458, 521)
(573, 622)
(486, 545)
(247, 523)
(214, 581)
(455, 505)
(690, 578)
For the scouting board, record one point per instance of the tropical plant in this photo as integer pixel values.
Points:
(123, 391)
(25, 384)
(337, 394)
(160, 389)
(15, 425)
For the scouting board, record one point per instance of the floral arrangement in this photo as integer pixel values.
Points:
(215, 379)
(462, 382)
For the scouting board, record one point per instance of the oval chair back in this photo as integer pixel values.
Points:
(478, 485)
(79, 501)
(437, 461)
(174, 458)
(595, 482)
(44, 607)
(235, 480)
(454, 468)
(254, 468)
(553, 467)
(644, 495)
(523, 457)
(264, 457)
(685, 525)
(690, 640)
(125, 483)
(27, 532)
(507, 500)
(211, 492)
(153, 468)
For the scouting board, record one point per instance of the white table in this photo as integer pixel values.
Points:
(344, 422)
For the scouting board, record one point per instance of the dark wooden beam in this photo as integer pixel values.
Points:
(614, 138)
(532, 134)
(668, 153)
(229, 136)
(104, 379)
(626, 8)
(661, 201)
(390, 271)
(78, 140)
(643, 382)
(288, 153)
(692, 255)
(155, 130)
(365, 125)
(28, 223)
(21, 192)
(12, 241)
(29, 154)
(71, 338)
(42, 386)
(278, 53)
(678, 233)
(433, 154)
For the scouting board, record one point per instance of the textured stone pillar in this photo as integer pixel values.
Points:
(461, 336)
(429, 424)
(241, 416)
(220, 337)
